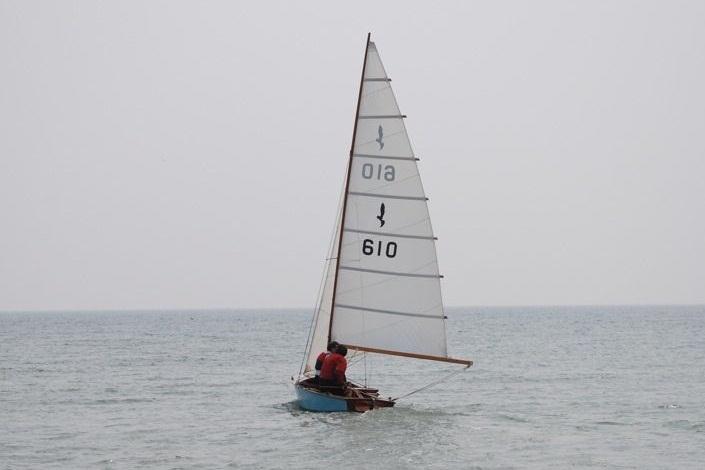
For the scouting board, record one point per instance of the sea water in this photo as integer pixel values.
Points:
(551, 388)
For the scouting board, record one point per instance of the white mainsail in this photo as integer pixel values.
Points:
(384, 294)
(388, 295)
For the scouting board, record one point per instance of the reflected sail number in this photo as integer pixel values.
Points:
(368, 172)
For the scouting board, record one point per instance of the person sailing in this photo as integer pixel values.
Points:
(332, 346)
(333, 369)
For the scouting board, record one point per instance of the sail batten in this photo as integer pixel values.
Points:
(383, 116)
(389, 312)
(383, 157)
(388, 196)
(389, 273)
(394, 235)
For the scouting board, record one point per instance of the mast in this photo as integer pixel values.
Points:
(347, 184)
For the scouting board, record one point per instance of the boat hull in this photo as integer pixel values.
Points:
(357, 399)
(316, 401)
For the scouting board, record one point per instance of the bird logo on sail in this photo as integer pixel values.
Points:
(380, 217)
(379, 140)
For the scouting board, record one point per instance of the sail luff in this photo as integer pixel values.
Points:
(347, 185)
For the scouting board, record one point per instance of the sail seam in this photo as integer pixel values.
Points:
(398, 235)
(390, 312)
(390, 273)
(374, 79)
(388, 196)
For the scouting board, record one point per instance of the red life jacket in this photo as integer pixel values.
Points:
(319, 361)
(334, 366)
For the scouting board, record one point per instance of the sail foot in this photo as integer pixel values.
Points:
(465, 362)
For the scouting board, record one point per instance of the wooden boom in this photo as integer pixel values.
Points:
(464, 362)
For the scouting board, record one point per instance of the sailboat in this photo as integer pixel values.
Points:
(381, 290)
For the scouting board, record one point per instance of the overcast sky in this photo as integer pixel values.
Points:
(190, 154)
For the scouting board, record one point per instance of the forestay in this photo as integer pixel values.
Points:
(318, 339)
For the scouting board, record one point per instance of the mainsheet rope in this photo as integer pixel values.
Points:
(442, 379)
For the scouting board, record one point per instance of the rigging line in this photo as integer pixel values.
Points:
(321, 287)
(314, 319)
(356, 359)
(309, 336)
(436, 382)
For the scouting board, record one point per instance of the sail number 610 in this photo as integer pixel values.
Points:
(369, 247)
(378, 172)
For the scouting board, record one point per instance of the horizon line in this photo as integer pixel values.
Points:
(241, 309)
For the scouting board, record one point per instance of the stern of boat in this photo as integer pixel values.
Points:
(357, 399)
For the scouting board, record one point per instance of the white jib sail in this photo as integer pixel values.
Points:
(318, 340)
(388, 294)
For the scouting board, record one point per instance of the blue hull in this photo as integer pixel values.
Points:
(316, 401)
